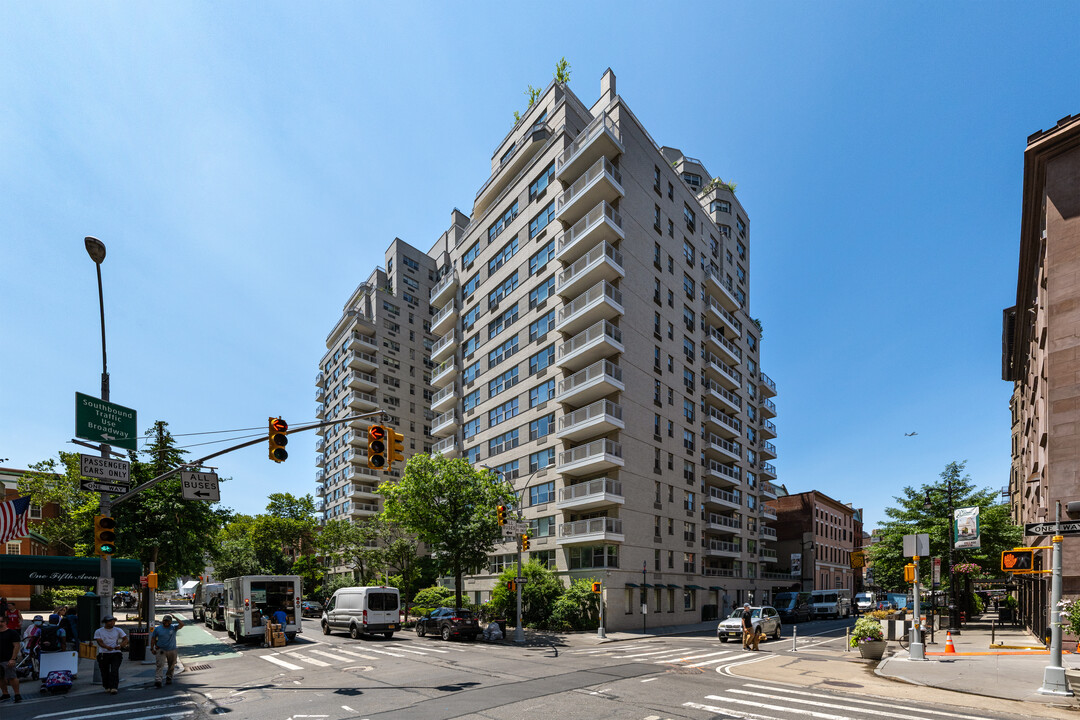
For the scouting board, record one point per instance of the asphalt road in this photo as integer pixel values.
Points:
(337, 678)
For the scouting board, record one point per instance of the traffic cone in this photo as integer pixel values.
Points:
(950, 649)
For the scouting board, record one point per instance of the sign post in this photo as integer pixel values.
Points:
(914, 547)
(1054, 680)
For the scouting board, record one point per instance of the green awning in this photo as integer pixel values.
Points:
(631, 585)
(58, 570)
(694, 587)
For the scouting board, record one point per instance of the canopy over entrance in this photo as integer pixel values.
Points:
(56, 570)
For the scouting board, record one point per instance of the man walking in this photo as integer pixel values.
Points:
(10, 645)
(163, 647)
(111, 642)
(749, 634)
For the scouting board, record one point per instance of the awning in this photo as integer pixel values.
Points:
(632, 585)
(675, 587)
(715, 587)
(59, 570)
(694, 587)
(189, 585)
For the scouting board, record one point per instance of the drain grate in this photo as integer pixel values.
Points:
(193, 668)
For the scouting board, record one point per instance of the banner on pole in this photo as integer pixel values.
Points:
(936, 573)
(796, 565)
(966, 528)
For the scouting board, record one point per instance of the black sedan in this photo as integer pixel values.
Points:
(448, 623)
(310, 608)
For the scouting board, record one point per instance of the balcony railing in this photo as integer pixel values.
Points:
(597, 214)
(583, 263)
(768, 381)
(444, 342)
(724, 367)
(718, 572)
(449, 309)
(731, 422)
(768, 554)
(445, 445)
(599, 290)
(594, 128)
(599, 486)
(769, 404)
(446, 282)
(724, 496)
(732, 447)
(443, 420)
(724, 521)
(727, 344)
(591, 526)
(592, 449)
(723, 546)
(768, 533)
(601, 167)
(600, 329)
(722, 312)
(594, 371)
(446, 392)
(721, 469)
(598, 409)
(712, 386)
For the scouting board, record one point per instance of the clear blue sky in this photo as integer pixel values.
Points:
(247, 163)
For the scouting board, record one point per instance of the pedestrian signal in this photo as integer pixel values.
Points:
(511, 586)
(909, 573)
(278, 439)
(151, 581)
(376, 448)
(1018, 561)
(104, 535)
(596, 587)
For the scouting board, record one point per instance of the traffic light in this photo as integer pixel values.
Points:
(104, 535)
(909, 573)
(151, 581)
(500, 513)
(1018, 561)
(376, 447)
(397, 446)
(524, 542)
(511, 586)
(596, 587)
(278, 440)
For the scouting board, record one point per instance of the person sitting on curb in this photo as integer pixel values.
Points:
(163, 648)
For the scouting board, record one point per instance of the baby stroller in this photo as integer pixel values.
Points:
(24, 668)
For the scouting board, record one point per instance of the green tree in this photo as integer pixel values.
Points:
(911, 516)
(450, 506)
(158, 525)
(352, 545)
(71, 531)
(562, 71)
(287, 528)
(576, 609)
(538, 596)
(311, 573)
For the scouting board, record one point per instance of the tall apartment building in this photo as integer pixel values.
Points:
(1041, 356)
(377, 356)
(595, 346)
(815, 538)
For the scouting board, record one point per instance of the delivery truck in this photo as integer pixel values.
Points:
(252, 600)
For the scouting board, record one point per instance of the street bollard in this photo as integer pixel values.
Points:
(847, 639)
(993, 629)
(794, 639)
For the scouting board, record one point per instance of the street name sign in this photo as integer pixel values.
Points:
(200, 486)
(1048, 528)
(102, 487)
(114, 471)
(511, 529)
(105, 422)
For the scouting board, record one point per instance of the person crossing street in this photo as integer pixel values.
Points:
(111, 642)
(163, 648)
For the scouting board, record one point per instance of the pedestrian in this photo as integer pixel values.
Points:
(749, 633)
(163, 648)
(10, 645)
(33, 632)
(69, 623)
(281, 618)
(111, 642)
(11, 612)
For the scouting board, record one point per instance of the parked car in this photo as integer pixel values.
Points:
(765, 618)
(310, 608)
(793, 607)
(448, 623)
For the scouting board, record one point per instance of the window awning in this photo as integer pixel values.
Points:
(716, 587)
(59, 570)
(694, 587)
(632, 585)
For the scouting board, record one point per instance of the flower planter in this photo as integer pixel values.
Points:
(872, 649)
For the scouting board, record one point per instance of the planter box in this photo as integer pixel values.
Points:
(895, 629)
(872, 650)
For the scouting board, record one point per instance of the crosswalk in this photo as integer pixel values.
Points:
(687, 656)
(323, 655)
(174, 707)
(760, 701)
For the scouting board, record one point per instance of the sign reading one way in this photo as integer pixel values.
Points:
(1068, 527)
(105, 422)
(200, 486)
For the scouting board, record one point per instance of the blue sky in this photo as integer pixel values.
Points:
(247, 163)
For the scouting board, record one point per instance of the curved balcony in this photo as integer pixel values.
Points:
(590, 494)
(362, 401)
(726, 450)
(767, 533)
(319, 475)
(600, 138)
(720, 313)
(444, 290)
(720, 372)
(445, 347)
(603, 301)
(444, 374)
(599, 418)
(722, 290)
(725, 426)
(362, 491)
(364, 509)
(594, 457)
(444, 399)
(320, 490)
(320, 460)
(601, 224)
(445, 424)
(767, 489)
(601, 182)
(361, 381)
(721, 474)
(716, 391)
(602, 529)
(715, 340)
(722, 498)
(597, 380)
(320, 445)
(359, 360)
(602, 262)
(444, 319)
(599, 341)
(722, 548)
(447, 447)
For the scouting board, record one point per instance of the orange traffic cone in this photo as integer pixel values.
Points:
(950, 649)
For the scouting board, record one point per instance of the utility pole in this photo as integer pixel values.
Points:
(1054, 680)
(917, 649)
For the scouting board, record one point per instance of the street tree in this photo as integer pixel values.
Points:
(287, 529)
(538, 594)
(450, 506)
(353, 545)
(71, 531)
(911, 516)
(236, 553)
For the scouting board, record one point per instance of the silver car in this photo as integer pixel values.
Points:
(765, 618)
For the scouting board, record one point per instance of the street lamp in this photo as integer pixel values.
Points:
(96, 250)
(950, 595)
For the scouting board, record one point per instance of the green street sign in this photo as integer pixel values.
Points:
(105, 422)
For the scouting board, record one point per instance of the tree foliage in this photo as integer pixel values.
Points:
(909, 516)
(562, 71)
(450, 506)
(71, 531)
(538, 595)
(352, 545)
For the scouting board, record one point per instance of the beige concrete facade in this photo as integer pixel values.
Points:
(1041, 354)
(594, 344)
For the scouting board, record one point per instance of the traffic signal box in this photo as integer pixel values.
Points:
(511, 586)
(151, 581)
(524, 542)
(397, 446)
(104, 535)
(278, 440)
(909, 573)
(377, 458)
(1018, 561)
(596, 587)
(500, 514)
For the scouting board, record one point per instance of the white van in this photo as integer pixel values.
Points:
(363, 610)
(252, 600)
(831, 603)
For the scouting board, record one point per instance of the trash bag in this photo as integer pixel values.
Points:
(493, 632)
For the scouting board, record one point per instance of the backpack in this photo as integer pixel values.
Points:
(49, 639)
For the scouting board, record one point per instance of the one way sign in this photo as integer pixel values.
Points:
(1047, 528)
(200, 486)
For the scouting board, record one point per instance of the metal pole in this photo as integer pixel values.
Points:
(953, 626)
(644, 598)
(1054, 680)
(600, 631)
(105, 501)
(519, 631)
(916, 648)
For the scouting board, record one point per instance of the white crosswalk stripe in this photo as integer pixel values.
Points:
(172, 709)
(806, 693)
(692, 657)
(308, 660)
(783, 694)
(668, 651)
(282, 663)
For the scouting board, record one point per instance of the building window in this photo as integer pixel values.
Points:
(504, 289)
(542, 494)
(541, 292)
(470, 255)
(656, 217)
(508, 471)
(688, 286)
(540, 460)
(539, 185)
(599, 556)
(470, 401)
(538, 261)
(14, 547)
(689, 595)
(541, 326)
(501, 224)
(471, 428)
(544, 557)
(502, 352)
(688, 409)
(542, 527)
(542, 219)
(542, 393)
(470, 373)
(542, 427)
(688, 440)
(542, 359)
(502, 443)
(470, 286)
(504, 381)
(508, 251)
(503, 321)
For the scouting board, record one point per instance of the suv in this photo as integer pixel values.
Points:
(793, 607)
(765, 618)
(448, 623)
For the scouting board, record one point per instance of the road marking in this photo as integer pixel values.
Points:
(648, 679)
(116, 705)
(282, 663)
(385, 652)
(325, 654)
(357, 655)
(415, 652)
(709, 662)
(845, 699)
(141, 717)
(693, 657)
(728, 711)
(796, 711)
(346, 708)
(657, 652)
(312, 661)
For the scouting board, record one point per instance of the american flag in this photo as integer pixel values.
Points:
(13, 516)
